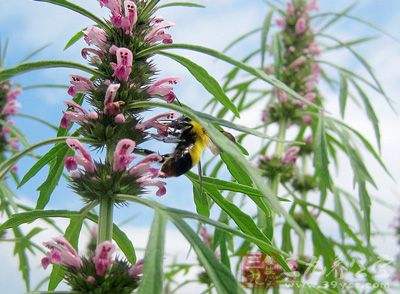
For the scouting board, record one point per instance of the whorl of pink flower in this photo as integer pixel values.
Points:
(158, 122)
(301, 26)
(103, 257)
(164, 88)
(82, 156)
(291, 155)
(79, 84)
(157, 33)
(61, 252)
(95, 36)
(123, 154)
(123, 67)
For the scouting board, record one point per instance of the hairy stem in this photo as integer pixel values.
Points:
(105, 228)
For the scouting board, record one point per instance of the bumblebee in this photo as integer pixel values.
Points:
(192, 140)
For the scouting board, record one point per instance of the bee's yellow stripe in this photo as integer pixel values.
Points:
(200, 144)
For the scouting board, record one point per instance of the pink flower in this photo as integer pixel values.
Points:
(307, 119)
(164, 88)
(119, 119)
(61, 252)
(291, 155)
(113, 5)
(205, 236)
(79, 84)
(312, 5)
(95, 36)
(70, 163)
(123, 154)
(298, 62)
(109, 106)
(150, 181)
(282, 96)
(290, 9)
(301, 26)
(13, 94)
(131, 16)
(159, 122)
(123, 67)
(11, 107)
(74, 113)
(14, 144)
(314, 49)
(281, 23)
(310, 97)
(264, 116)
(103, 257)
(93, 55)
(136, 271)
(157, 33)
(82, 156)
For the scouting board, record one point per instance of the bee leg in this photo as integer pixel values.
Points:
(165, 139)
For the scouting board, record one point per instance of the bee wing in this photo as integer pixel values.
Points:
(213, 148)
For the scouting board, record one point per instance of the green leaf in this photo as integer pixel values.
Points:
(77, 9)
(181, 4)
(222, 278)
(75, 38)
(152, 281)
(200, 200)
(234, 152)
(235, 170)
(28, 67)
(264, 36)
(370, 113)
(344, 88)
(43, 161)
(321, 160)
(55, 172)
(209, 83)
(264, 246)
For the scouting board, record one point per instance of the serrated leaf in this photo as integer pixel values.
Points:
(264, 36)
(344, 88)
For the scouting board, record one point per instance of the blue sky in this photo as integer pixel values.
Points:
(30, 25)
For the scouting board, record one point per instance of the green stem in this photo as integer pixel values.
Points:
(105, 226)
